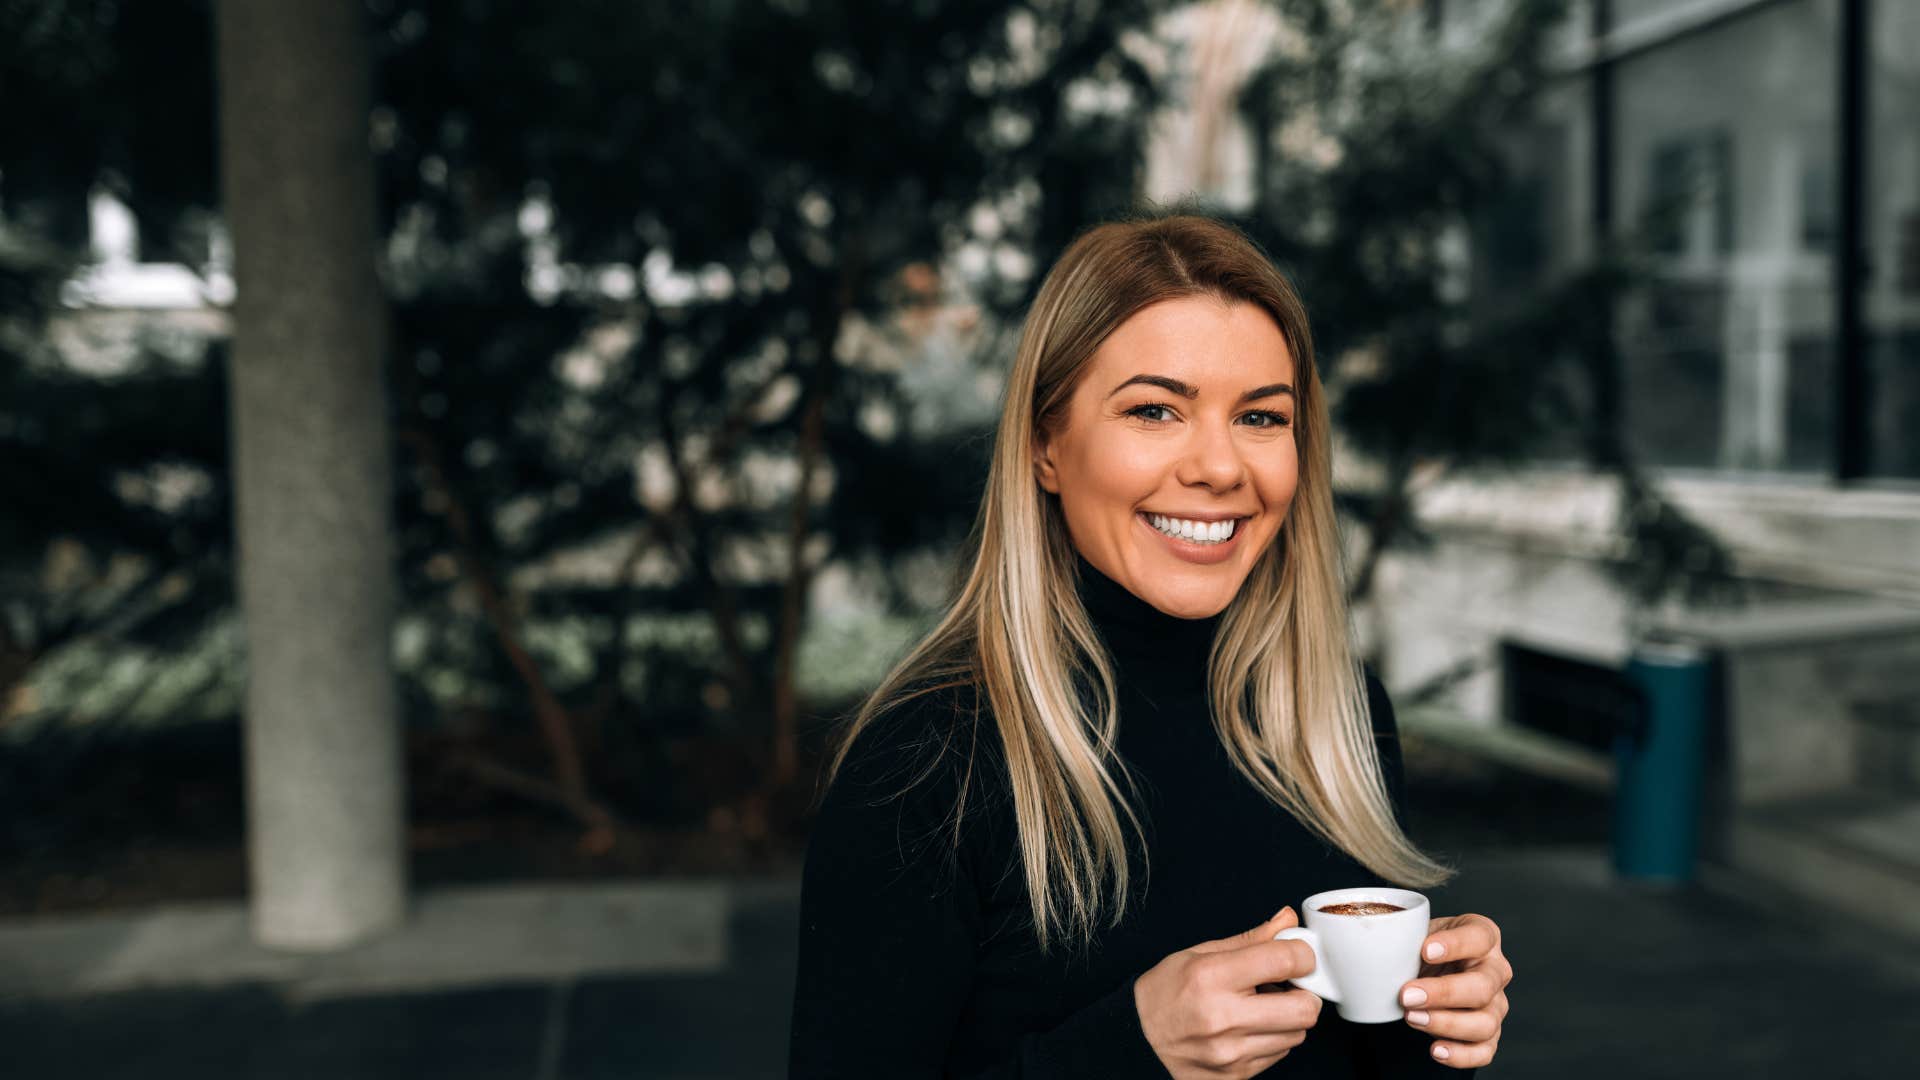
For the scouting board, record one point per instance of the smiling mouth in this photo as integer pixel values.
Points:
(1203, 533)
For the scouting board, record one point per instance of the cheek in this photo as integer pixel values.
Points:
(1280, 478)
(1119, 468)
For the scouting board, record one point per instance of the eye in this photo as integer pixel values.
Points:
(1272, 419)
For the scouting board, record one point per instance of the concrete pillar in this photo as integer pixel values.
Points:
(312, 476)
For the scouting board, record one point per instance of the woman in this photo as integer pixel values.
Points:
(1054, 833)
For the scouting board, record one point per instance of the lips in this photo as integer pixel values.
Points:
(1208, 518)
(1193, 551)
(1210, 530)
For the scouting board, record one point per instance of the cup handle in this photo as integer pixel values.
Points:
(1319, 981)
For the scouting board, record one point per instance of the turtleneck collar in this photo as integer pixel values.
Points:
(1147, 644)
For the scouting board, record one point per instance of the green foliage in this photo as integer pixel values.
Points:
(107, 90)
(797, 157)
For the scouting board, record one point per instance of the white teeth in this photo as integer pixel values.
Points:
(1197, 532)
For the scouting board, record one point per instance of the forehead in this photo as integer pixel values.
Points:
(1199, 340)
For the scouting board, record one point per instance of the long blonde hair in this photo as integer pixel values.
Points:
(1288, 697)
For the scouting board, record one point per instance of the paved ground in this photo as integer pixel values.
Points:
(727, 1022)
(692, 980)
(1722, 982)
(475, 937)
(1611, 981)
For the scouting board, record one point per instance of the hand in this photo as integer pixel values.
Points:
(1204, 1011)
(1461, 994)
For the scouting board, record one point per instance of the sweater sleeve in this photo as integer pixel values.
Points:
(1397, 1050)
(1103, 1039)
(890, 920)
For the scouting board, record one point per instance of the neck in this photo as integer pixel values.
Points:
(1147, 644)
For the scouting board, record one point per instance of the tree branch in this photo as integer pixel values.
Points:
(556, 726)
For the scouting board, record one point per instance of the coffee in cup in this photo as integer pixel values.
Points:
(1366, 947)
(1361, 907)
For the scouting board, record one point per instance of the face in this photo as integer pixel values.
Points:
(1192, 447)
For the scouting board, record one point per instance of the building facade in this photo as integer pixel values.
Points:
(1765, 156)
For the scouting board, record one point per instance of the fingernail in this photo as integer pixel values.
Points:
(1434, 951)
(1413, 995)
(1441, 1052)
(1418, 1018)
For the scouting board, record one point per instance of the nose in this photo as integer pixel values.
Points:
(1212, 458)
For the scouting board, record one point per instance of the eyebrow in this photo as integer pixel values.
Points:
(1191, 392)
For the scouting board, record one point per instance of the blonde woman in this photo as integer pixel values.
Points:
(1054, 837)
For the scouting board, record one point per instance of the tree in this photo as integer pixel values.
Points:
(894, 126)
(117, 516)
(543, 171)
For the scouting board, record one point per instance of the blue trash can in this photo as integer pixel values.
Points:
(1662, 759)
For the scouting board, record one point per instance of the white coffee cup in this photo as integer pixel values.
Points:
(1361, 962)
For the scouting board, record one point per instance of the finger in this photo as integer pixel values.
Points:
(1460, 1025)
(1293, 1012)
(1254, 1049)
(1460, 937)
(1282, 919)
(1459, 1055)
(1473, 989)
(1246, 968)
(1258, 1065)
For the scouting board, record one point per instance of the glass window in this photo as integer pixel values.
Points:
(1629, 11)
(1723, 165)
(1891, 220)
(1538, 228)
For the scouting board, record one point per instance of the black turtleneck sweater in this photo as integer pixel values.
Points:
(917, 960)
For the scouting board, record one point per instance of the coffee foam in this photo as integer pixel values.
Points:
(1362, 907)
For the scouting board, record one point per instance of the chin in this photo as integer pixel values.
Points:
(1197, 603)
